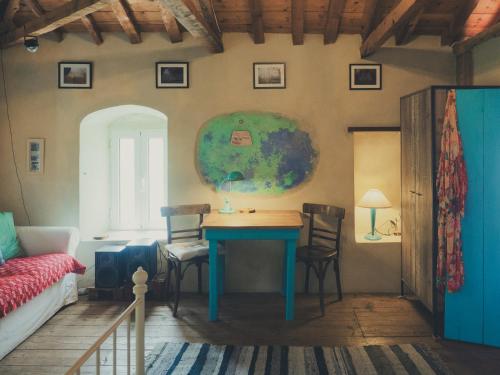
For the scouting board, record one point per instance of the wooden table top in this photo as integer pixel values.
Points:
(259, 219)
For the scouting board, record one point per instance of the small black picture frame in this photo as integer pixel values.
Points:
(172, 75)
(365, 77)
(269, 75)
(75, 74)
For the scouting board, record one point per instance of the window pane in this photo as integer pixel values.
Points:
(127, 182)
(156, 172)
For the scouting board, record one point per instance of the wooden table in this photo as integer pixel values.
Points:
(261, 225)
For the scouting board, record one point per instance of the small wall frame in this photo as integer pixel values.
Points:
(365, 77)
(35, 155)
(172, 75)
(269, 75)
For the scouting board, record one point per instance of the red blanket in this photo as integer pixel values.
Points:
(22, 279)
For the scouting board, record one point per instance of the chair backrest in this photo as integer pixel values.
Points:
(330, 234)
(184, 210)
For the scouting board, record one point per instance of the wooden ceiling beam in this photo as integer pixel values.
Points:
(405, 33)
(334, 15)
(455, 30)
(468, 44)
(298, 9)
(10, 11)
(193, 20)
(67, 13)
(257, 22)
(399, 15)
(38, 11)
(123, 14)
(171, 26)
(368, 18)
(89, 23)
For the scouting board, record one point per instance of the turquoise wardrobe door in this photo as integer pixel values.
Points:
(464, 309)
(491, 218)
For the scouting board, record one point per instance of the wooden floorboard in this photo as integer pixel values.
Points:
(246, 319)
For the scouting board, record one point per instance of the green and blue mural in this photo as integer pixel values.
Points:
(270, 150)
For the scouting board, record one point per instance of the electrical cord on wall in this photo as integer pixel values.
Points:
(12, 138)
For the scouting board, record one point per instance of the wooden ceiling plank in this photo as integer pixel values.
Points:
(171, 26)
(400, 14)
(464, 46)
(405, 32)
(298, 19)
(91, 26)
(368, 19)
(257, 22)
(123, 14)
(37, 9)
(455, 30)
(67, 13)
(190, 17)
(334, 15)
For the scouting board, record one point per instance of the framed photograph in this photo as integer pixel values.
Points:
(35, 155)
(172, 75)
(365, 77)
(269, 76)
(75, 75)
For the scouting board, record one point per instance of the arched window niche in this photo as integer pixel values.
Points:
(123, 171)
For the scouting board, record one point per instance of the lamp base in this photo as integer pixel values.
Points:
(373, 237)
(227, 210)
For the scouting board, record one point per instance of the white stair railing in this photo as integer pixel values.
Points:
(140, 288)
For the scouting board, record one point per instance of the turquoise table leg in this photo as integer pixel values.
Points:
(213, 274)
(222, 274)
(290, 249)
(283, 273)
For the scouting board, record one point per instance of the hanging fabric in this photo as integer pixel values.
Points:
(452, 190)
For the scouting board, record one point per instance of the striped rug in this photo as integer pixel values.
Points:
(187, 358)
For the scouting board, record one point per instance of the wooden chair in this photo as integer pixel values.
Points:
(182, 255)
(323, 246)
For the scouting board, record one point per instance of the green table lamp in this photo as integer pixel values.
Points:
(374, 199)
(230, 177)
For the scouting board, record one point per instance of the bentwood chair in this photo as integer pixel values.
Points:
(182, 255)
(323, 246)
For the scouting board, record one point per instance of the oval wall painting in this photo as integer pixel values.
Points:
(270, 150)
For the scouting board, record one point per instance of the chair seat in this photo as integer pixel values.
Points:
(184, 251)
(315, 252)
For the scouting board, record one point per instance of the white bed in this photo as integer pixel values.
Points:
(21, 323)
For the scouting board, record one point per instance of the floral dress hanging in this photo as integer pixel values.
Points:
(452, 190)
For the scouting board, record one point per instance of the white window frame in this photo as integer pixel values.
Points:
(141, 136)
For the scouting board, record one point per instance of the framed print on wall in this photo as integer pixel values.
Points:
(269, 76)
(35, 155)
(365, 77)
(75, 75)
(172, 75)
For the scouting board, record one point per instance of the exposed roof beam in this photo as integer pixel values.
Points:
(368, 18)
(122, 12)
(468, 44)
(89, 23)
(334, 15)
(405, 10)
(69, 12)
(405, 32)
(190, 17)
(456, 29)
(171, 26)
(257, 22)
(298, 22)
(37, 9)
(10, 11)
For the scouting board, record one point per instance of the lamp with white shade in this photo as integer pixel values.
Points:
(374, 199)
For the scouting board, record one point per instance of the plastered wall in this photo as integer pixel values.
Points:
(317, 95)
